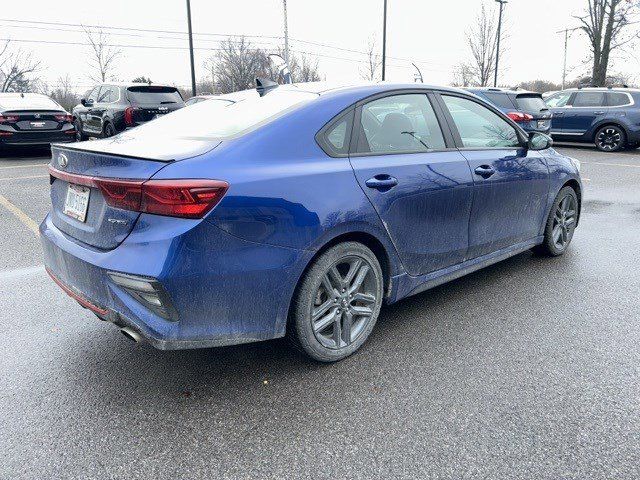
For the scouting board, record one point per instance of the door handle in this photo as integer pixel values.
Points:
(555, 114)
(382, 182)
(485, 171)
(599, 113)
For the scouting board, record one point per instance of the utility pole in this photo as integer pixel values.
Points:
(286, 33)
(384, 42)
(566, 46)
(495, 76)
(193, 69)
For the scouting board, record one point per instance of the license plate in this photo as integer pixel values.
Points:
(543, 124)
(38, 124)
(77, 202)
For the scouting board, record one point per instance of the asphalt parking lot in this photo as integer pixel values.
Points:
(528, 369)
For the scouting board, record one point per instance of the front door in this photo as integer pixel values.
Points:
(558, 105)
(418, 183)
(511, 183)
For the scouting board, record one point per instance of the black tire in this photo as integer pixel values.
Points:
(346, 308)
(553, 245)
(610, 138)
(109, 130)
(79, 135)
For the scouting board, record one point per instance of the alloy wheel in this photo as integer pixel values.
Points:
(344, 302)
(564, 222)
(609, 139)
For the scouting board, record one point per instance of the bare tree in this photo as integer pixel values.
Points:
(463, 75)
(373, 62)
(303, 68)
(103, 56)
(481, 39)
(64, 93)
(605, 23)
(16, 67)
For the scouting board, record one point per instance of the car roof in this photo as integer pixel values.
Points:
(502, 90)
(132, 84)
(601, 89)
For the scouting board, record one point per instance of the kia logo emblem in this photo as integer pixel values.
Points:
(63, 161)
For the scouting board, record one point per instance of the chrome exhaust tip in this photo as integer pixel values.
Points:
(131, 334)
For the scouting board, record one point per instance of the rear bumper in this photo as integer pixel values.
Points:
(225, 290)
(36, 138)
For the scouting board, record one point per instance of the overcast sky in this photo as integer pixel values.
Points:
(431, 33)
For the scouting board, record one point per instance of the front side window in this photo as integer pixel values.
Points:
(399, 123)
(478, 126)
(558, 100)
(589, 99)
(94, 94)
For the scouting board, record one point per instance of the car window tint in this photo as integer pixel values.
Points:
(478, 126)
(399, 123)
(615, 99)
(589, 99)
(336, 136)
(558, 100)
(500, 100)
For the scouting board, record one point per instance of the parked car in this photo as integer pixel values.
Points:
(525, 108)
(111, 108)
(33, 119)
(299, 212)
(606, 117)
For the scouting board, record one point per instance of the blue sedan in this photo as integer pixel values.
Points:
(298, 210)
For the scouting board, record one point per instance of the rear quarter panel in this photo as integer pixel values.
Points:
(284, 189)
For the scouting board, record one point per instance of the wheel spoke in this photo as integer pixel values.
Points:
(564, 235)
(569, 222)
(362, 311)
(328, 286)
(321, 310)
(337, 330)
(347, 321)
(353, 269)
(325, 321)
(364, 298)
(336, 279)
(357, 282)
(564, 203)
(557, 233)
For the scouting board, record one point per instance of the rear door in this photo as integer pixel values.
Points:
(558, 104)
(418, 182)
(510, 182)
(587, 109)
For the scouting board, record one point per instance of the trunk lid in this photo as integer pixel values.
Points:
(34, 120)
(104, 227)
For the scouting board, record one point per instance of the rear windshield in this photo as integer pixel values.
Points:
(28, 102)
(530, 103)
(153, 94)
(217, 120)
(500, 100)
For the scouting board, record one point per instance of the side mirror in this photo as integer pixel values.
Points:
(86, 102)
(539, 141)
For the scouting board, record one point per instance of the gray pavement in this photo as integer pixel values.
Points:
(528, 369)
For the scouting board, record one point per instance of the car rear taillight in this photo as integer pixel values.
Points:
(64, 118)
(192, 198)
(128, 116)
(519, 117)
(9, 118)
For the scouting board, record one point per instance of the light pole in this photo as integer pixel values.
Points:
(286, 33)
(384, 41)
(495, 76)
(193, 70)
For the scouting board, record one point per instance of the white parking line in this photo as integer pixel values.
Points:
(24, 166)
(25, 176)
(21, 272)
(20, 215)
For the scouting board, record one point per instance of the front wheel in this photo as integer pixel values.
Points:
(561, 223)
(79, 135)
(109, 130)
(610, 138)
(337, 303)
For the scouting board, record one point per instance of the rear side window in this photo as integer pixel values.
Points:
(153, 94)
(399, 123)
(334, 139)
(530, 103)
(478, 126)
(617, 99)
(589, 99)
(500, 100)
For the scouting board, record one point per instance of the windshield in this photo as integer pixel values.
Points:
(153, 94)
(531, 103)
(216, 119)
